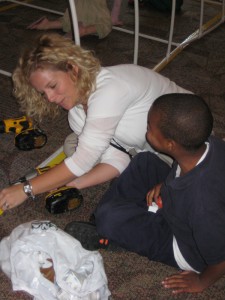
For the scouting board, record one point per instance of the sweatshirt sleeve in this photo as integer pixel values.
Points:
(93, 143)
(106, 107)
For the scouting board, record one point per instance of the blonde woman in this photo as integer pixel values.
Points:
(107, 111)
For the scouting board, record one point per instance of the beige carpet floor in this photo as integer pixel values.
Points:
(200, 67)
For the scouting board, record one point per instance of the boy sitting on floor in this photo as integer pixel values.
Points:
(188, 231)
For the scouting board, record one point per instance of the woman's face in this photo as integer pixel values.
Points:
(56, 86)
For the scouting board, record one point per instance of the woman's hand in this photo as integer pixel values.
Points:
(12, 196)
(153, 194)
(56, 177)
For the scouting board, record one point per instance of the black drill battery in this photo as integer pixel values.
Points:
(63, 200)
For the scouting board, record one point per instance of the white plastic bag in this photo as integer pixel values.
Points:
(34, 246)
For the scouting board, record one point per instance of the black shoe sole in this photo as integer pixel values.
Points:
(85, 233)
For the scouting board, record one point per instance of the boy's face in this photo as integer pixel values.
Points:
(154, 135)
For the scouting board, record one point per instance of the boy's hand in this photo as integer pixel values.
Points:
(153, 194)
(184, 282)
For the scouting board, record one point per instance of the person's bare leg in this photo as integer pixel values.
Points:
(115, 13)
(86, 30)
(45, 24)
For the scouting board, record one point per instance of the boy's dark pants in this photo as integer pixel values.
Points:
(122, 215)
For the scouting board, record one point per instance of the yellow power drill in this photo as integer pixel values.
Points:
(15, 125)
(26, 136)
(61, 200)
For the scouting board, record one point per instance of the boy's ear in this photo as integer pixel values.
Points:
(171, 145)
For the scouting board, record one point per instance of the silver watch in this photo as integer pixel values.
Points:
(28, 190)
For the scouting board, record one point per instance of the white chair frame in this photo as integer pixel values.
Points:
(200, 32)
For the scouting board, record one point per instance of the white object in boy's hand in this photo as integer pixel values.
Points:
(153, 208)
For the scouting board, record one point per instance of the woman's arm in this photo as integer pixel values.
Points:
(56, 177)
(111, 165)
(99, 174)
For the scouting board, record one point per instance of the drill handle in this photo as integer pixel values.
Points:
(15, 125)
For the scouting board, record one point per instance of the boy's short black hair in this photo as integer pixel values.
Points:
(185, 118)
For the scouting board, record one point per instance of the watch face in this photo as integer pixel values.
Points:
(28, 190)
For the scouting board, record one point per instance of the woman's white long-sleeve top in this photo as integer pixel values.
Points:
(117, 110)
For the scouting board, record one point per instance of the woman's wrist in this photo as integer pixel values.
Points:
(28, 189)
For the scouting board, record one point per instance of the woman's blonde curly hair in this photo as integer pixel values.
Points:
(52, 51)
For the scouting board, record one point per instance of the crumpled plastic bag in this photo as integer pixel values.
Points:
(38, 245)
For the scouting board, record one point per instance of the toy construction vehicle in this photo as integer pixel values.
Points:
(26, 136)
